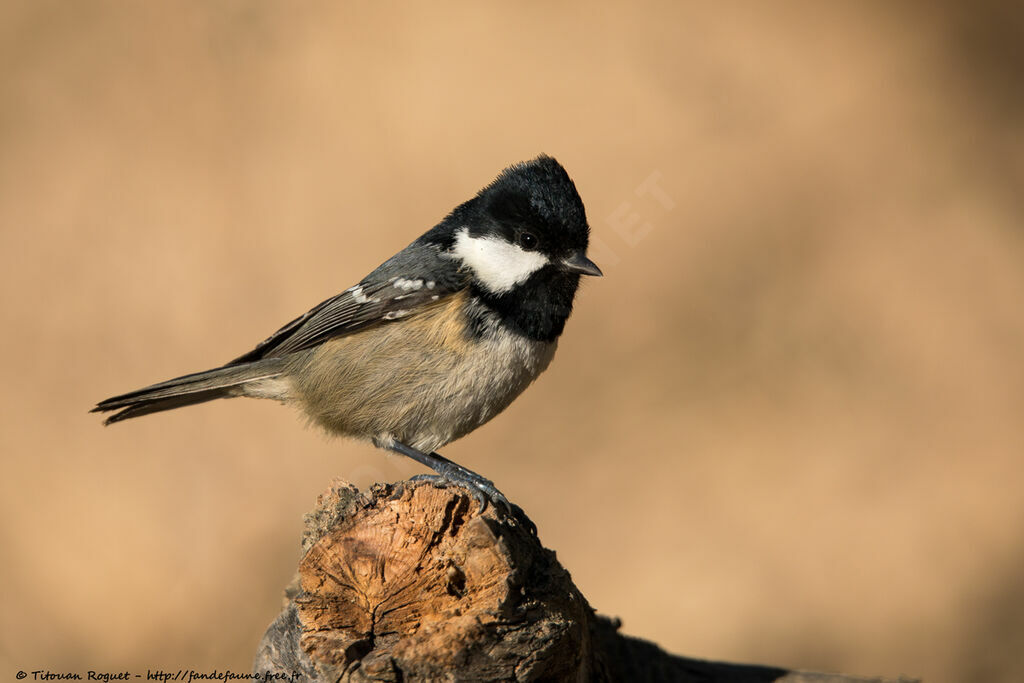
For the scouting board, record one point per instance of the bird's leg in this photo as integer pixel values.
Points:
(483, 489)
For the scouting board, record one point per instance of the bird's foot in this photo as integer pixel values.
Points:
(449, 472)
(483, 492)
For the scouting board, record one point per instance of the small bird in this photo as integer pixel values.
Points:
(432, 344)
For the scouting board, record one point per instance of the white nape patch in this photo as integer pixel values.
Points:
(499, 265)
(360, 297)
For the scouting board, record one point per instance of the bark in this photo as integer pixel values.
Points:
(410, 582)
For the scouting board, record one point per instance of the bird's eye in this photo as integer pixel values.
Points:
(528, 241)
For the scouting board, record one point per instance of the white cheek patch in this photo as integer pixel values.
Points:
(499, 265)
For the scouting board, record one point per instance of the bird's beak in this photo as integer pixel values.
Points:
(579, 263)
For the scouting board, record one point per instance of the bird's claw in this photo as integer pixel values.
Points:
(483, 492)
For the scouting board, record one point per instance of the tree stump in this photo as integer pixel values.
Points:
(409, 582)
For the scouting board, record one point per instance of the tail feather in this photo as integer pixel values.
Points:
(145, 407)
(187, 390)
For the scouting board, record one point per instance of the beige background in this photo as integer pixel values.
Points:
(785, 428)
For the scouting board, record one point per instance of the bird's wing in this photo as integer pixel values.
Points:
(413, 279)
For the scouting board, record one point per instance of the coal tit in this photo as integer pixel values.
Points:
(433, 343)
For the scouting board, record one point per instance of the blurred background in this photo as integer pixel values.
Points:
(784, 428)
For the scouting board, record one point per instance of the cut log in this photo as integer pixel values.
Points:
(409, 582)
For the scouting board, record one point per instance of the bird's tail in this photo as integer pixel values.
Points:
(188, 390)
